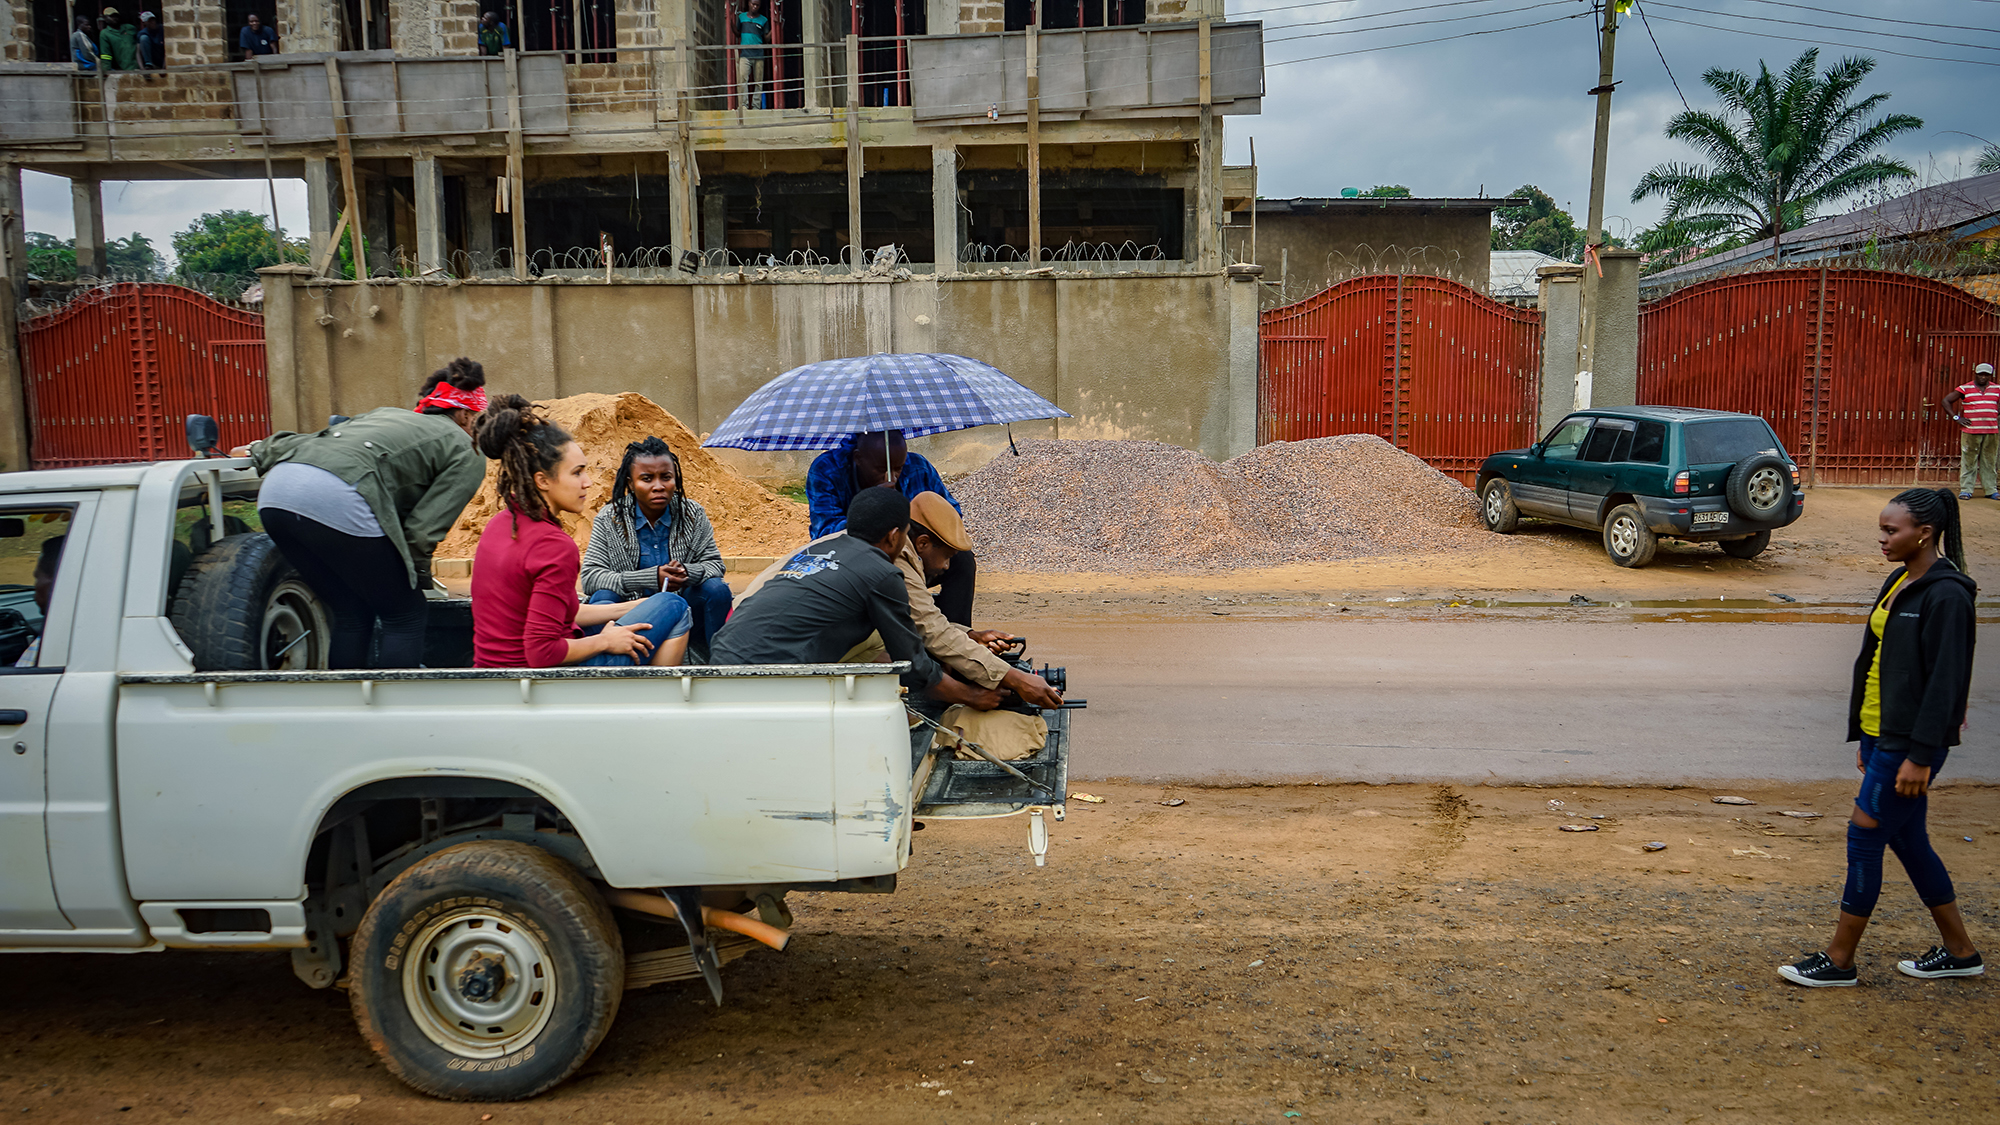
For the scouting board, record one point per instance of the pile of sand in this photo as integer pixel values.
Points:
(1126, 506)
(749, 519)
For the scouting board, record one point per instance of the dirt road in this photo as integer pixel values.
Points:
(1340, 953)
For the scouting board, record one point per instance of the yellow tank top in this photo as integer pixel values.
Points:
(1871, 697)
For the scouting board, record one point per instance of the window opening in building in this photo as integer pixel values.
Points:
(52, 24)
(364, 24)
(724, 71)
(1086, 216)
(565, 219)
(885, 50)
(586, 29)
(801, 219)
(1062, 14)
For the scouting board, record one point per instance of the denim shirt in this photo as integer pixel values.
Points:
(654, 548)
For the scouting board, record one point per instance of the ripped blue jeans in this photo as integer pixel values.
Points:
(1899, 827)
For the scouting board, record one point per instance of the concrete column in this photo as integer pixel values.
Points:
(944, 204)
(941, 17)
(13, 392)
(680, 200)
(1561, 302)
(429, 188)
(321, 209)
(13, 228)
(714, 222)
(379, 227)
(1615, 377)
(314, 26)
(480, 193)
(1208, 220)
(87, 198)
(812, 18)
(281, 355)
(1245, 283)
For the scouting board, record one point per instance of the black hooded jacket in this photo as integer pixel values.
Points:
(1926, 663)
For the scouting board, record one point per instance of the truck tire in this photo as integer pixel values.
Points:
(242, 608)
(1748, 547)
(1496, 507)
(488, 972)
(1760, 487)
(1627, 539)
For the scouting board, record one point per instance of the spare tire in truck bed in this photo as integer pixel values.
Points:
(242, 608)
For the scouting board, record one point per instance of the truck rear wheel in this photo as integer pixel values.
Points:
(242, 608)
(487, 972)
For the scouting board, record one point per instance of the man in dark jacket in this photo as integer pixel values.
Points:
(830, 596)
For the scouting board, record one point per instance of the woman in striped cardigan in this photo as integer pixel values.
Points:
(651, 537)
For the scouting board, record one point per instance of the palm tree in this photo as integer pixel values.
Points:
(1783, 148)
(1989, 158)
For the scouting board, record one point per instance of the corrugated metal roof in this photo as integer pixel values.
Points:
(1941, 208)
(1306, 206)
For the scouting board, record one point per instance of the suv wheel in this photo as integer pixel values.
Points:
(1496, 505)
(1759, 487)
(1627, 539)
(1748, 547)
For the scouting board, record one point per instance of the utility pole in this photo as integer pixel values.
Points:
(1593, 239)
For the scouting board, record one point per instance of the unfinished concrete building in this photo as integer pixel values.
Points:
(958, 131)
(1041, 174)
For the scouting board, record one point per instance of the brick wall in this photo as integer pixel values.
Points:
(194, 31)
(610, 87)
(16, 26)
(638, 26)
(147, 98)
(458, 27)
(980, 16)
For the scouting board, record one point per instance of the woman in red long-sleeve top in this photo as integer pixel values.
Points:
(525, 612)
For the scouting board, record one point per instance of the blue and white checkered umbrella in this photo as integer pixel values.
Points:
(816, 406)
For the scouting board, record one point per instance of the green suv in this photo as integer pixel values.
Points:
(1640, 472)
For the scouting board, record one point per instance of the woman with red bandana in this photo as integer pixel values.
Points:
(359, 506)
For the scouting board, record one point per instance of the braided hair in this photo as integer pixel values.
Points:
(465, 374)
(621, 487)
(1936, 508)
(524, 443)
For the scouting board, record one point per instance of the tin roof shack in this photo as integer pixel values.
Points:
(969, 138)
(1306, 245)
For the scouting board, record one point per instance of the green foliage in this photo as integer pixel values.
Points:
(134, 257)
(1541, 225)
(233, 244)
(51, 258)
(1388, 191)
(1989, 159)
(1782, 150)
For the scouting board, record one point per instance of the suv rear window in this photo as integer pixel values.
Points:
(1727, 439)
(1650, 445)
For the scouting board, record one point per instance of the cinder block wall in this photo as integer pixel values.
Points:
(194, 31)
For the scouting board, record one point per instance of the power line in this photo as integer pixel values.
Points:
(1647, 24)
(1877, 19)
(1829, 43)
(1824, 27)
(1407, 23)
(1427, 42)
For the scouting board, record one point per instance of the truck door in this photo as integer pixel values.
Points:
(32, 542)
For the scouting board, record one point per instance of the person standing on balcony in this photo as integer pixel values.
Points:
(117, 42)
(256, 39)
(152, 42)
(1976, 408)
(83, 45)
(753, 32)
(494, 37)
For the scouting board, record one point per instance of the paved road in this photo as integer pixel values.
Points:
(1471, 701)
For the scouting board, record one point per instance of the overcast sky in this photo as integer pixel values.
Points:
(1486, 112)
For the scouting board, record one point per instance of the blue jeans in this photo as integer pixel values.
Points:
(1899, 826)
(710, 601)
(666, 613)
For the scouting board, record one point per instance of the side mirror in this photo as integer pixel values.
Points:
(13, 528)
(203, 434)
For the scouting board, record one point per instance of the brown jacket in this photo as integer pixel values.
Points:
(947, 641)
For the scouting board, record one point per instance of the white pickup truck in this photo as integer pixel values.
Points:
(175, 774)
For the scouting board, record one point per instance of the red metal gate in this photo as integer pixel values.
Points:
(1428, 364)
(1849, 366)
(111, 375)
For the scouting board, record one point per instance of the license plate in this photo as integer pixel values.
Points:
(1711, 517)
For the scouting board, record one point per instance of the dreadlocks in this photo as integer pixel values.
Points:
(1936, 508)
(621, 487)
(524, 443)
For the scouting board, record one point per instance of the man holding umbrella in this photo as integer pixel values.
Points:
(865, 461)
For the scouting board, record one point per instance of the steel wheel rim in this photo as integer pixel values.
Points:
(1624, 536)
(1493, 505)
(479, 984)
(294, 633)
(1765, 489)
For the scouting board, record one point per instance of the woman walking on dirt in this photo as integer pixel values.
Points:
(524, 571)
(1906, 708)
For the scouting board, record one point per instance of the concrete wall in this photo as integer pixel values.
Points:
(1313, 252)
(1561, 303)
(1615, 374)
(1154, 357)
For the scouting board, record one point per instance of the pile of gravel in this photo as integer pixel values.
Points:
(1118, 506)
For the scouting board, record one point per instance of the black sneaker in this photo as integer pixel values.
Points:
(1940, 963)
(1819, 971)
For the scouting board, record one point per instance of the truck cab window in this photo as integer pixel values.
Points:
(31, 550)
(1563, 443)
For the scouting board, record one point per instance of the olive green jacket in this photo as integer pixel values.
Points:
(417, 472)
